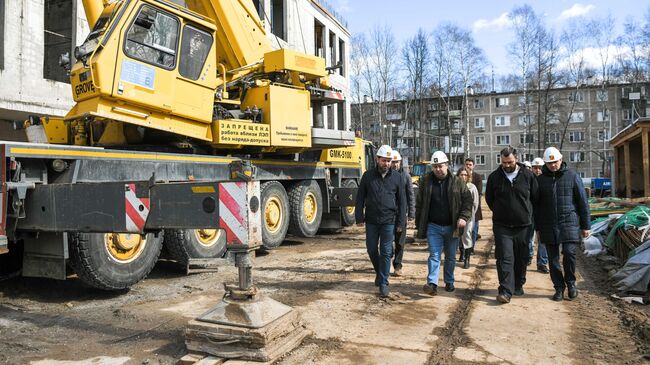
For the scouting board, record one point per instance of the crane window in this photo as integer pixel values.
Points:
(195, 47)
(153, 38)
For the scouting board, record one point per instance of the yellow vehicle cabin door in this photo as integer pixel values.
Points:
(196, 79)
(145, 69)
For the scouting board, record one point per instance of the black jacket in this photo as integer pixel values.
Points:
(511, 203)
(384, 198)
(410, 196)
(460, 203)
(563, 209)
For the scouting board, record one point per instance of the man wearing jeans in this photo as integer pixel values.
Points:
(443, 208)
(383, 195)
(510, 193)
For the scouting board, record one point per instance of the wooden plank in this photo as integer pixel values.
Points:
(646, 162)
(628, 172)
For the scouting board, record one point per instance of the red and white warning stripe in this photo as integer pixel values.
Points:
(136, 209)
(232, 212)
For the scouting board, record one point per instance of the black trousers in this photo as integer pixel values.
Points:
(561, 281)
(512, 256)
(400, 242)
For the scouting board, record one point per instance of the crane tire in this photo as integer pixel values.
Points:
(92, 260)
(306, 202)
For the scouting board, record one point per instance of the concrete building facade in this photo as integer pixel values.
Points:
(34, 33)
(579, 121)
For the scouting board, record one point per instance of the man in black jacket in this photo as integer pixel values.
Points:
(561, 218)
(400, 237)
(382, 193)
(510, 193)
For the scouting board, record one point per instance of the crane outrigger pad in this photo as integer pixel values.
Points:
(260, 329)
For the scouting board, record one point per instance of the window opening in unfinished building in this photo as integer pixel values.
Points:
(277, 18)
(341, 60)
(57, 37)
(2, 35)
(318, 39)
(332, 50)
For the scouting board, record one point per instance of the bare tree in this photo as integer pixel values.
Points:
(601, 36)
(630, 56)
(383, 47)
(525, 50)
(416, 58)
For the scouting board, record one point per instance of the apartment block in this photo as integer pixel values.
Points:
(580, 121)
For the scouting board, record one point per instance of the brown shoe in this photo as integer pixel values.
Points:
(398, 272)
(503, 298)
(431, 289)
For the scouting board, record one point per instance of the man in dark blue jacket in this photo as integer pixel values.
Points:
(510, 193)
(561, 218)
(400, 237)
(382, 193)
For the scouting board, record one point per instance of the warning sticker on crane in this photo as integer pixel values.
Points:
(243, 133)
(136, 209)
(233, 211)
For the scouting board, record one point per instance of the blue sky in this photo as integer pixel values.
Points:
(487, 19)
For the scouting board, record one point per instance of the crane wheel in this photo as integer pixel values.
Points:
(275, 214)
(113, 261)
(186, 244)
(347, 213)
(306, 202)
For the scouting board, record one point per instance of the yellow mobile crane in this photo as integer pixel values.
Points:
(188, 128)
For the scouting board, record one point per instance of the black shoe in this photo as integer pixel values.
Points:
(383, 291)
(376, 280)
(431, 289)
(462, 257)
(519, 292)
(573, 292)
(466, 262)
(503, 298)
(450, 287)
(530, 261)
(542, 269)
(559, 295)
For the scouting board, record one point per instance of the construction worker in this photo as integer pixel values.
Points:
(443, 208)
(400, 237)
(477, 180)
(561, 218)
(466, 239)
(382, 194)
(542, 256)
(510, 192)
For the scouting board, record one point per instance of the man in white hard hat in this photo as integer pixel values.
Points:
(400, 237)
(561, 218)
(443, 208)
(537, 165)
(381, 205)
(542, 256)
(510, 193)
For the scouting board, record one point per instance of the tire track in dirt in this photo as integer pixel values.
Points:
(453, 334)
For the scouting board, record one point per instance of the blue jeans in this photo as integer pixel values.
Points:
(475, 233)
(439, 238)
(379, 243)
(542, 256)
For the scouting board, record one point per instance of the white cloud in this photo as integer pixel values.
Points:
(575, 11)
(503, 21)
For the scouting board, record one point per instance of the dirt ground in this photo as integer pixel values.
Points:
(329, 280)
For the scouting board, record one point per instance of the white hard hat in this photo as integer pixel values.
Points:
(538, 162)
(552, 154)
(396, 156)
(385, 151)
(439, 157)
(527, 164)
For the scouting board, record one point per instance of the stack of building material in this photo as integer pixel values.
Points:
(629, 232)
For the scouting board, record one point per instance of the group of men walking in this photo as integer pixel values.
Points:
(545, 200)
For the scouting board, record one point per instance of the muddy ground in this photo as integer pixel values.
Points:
(329, 280)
